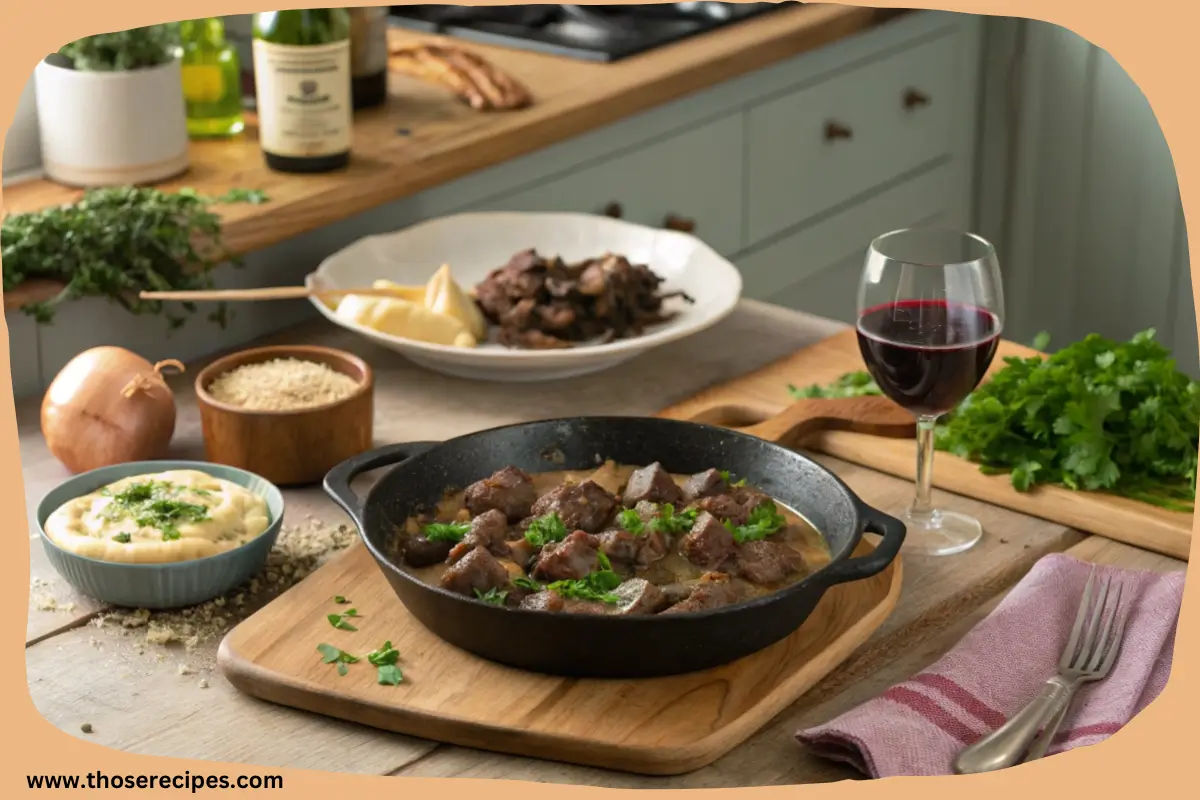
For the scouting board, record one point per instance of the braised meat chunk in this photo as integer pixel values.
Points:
(709, 544)
(724, 507)
(487, 530)
(653, 484)
(422, 552)
(547, 600)
(581, 506)
(639, 596)
(765, 562)
(713, 590)
(509, 490)
(477, 571)
(704, 484)
(571, 559)
(621, 547)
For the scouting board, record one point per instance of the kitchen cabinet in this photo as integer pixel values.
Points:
(823, 145)
(817, 269)
(695, 176)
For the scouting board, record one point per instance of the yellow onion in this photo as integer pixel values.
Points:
(108, 406)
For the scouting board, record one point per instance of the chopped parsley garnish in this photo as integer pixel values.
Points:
(341, 601)
(335, 655)
(446, 531)
(493, 596)
(122, 538)
(544, 530)
(152, 504)
(384, 659)
(852, 384)
(764, 520)
(527, 583)
(339, 621)
(727, 476)
(630, 521)
(670, 521)
(597, 586)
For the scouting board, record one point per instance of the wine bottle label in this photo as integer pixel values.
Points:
(303, 96)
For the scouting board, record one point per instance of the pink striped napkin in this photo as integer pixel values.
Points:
(917, 727)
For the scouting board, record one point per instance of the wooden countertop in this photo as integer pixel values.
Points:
(446, 140)
(148, 699)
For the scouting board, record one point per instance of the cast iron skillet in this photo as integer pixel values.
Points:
(583, 645)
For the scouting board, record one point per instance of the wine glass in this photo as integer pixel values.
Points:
(930, 312)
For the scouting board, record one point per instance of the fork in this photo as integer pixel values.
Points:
(1018, 739)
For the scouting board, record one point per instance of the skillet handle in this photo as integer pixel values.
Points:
(337, 480)
(891, 529)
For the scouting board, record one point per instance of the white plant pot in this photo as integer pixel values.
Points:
(111, 128)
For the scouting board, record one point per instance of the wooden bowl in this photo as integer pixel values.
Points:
(288, 448)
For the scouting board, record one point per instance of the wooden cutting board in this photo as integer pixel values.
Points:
(764, 393)
(661, 726)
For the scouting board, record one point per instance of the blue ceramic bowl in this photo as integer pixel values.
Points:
(158, 586)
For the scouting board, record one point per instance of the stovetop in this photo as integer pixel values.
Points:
(590, 33)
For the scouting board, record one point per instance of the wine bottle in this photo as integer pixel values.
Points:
(368, 55)
(302, 87)
(211, 79)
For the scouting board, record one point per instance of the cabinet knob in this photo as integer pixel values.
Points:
(836, 130)
(914, 98)
(613, 210)
(677, 223)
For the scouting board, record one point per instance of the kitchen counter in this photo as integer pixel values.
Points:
(167, 700)
(424, 137)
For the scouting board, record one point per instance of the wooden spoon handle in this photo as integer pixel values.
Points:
(268, 293)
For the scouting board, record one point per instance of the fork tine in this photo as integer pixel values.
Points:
(1093, 625)
(1111, 656)
(1069, 653)
(1104, 644)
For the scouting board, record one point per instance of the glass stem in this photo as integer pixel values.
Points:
(922, 507)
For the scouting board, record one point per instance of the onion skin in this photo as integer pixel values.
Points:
(108, 406)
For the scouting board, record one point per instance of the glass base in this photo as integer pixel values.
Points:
(940, 533)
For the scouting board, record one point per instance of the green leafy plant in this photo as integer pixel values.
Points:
(116, 242)
(121, 51)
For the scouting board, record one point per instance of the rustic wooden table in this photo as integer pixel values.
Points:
(168, 700)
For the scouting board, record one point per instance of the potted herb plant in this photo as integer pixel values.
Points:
(111, 109)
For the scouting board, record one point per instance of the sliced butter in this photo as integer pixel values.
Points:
(414, 294)
(404, 319)
(444, 296)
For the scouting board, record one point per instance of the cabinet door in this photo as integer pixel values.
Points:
(817, 269)
(696, 176)
(824, 145)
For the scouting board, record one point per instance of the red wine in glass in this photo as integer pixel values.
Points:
(927, 355)
(930, 312)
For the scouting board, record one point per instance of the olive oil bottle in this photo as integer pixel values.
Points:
(211, 79)
(302, 87)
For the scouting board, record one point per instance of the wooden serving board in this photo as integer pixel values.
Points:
(763, 393)
(660, 726)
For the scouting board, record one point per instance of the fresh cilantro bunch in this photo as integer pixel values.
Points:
(1097, 415)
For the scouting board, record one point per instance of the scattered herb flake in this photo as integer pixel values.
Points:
(341, 601)
(122, 538)
(629, 521)
(337, 621)
(493, 596)
(764, 521)
(389, 675)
